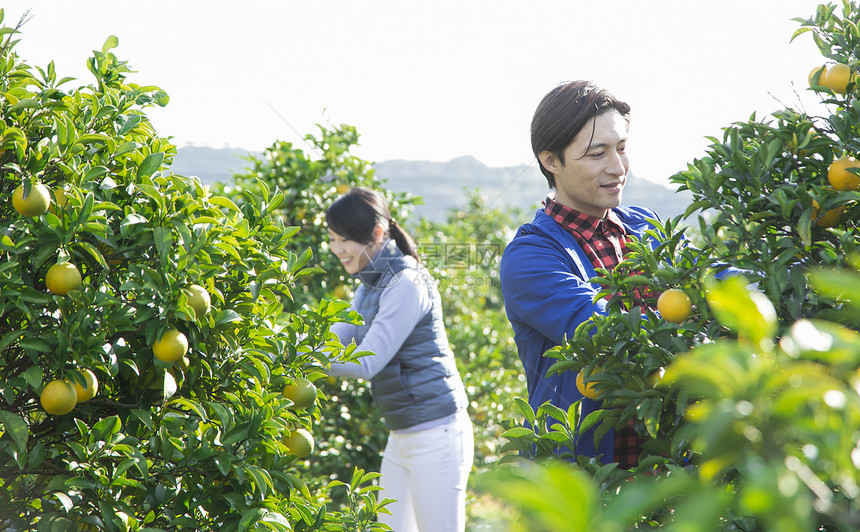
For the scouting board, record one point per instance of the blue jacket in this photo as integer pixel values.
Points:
(544, 277)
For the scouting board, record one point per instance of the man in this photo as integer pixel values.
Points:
(579, 137)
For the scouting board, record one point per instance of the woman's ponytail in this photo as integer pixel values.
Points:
(404, 242)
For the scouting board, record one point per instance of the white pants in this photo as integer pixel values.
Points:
(426, 473)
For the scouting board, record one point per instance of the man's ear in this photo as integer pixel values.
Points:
(549, 161)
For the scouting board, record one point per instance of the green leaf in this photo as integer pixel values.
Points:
(223, 465)
(249, 517)
(553, 411)
(107, 427)
(36, 344)
(33, 376)
(843, 285)
(152, 193)
(145, 416)
(182, 401)
(227, 316)
(519, 432)
(32, 295)
(747, 311)
(124, 466)
(221, 201)
(163, 244)
(170, 387)
(26, 103)
(824, 341)
(110, 43)
(95, 173)
(526, 409)
(16, 428)
(150, 165)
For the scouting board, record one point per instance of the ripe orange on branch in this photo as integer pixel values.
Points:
(838, 77)
(63, 278)
(817, 76)
(587, 390)
(839, 175)
(300, 442)
(198, 299)
(674, 305)
(91, 389)
(58, 397)
(35, 203)
(171, 347)
(302, 393)
(830, 217)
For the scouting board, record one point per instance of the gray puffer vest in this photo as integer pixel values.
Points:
(421, 382)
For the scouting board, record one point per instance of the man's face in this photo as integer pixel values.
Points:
(595, 166)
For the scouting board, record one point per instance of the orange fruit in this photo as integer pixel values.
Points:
(302, 393)
(830, 217)
(171, 346)
(587, 390)
(340, 292)
(92, 388)
(840, 177)
(184, 363)
(816, 76)
(36, 202)
(60, 200)
(674, 305)
(63, 278)
(58, 397)
(198, 299)
(300, 443)
(838, 77)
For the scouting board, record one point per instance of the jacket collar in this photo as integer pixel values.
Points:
(634, 220)
(383, 266)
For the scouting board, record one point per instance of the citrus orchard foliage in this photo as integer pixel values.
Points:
(350, 431)
(749, 406)
(151, 444)
(464, 252)
(461, 252)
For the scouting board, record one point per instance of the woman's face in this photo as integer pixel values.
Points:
(353, 256)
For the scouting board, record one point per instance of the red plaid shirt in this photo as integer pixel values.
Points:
(604, 241)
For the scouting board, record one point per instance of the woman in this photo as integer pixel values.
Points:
(413, 375)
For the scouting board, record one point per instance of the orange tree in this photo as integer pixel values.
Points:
(178, 421)
(748, 408)
(463, 252)
(349, 430)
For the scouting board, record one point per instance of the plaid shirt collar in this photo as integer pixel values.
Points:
(577, 222)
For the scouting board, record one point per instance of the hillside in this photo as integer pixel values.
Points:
(441, 184)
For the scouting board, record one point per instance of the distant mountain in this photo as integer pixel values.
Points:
(441, 185)
(211, 165)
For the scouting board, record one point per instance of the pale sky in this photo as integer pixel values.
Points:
(438, 79)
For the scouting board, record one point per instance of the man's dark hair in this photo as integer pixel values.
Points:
(563, 112)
